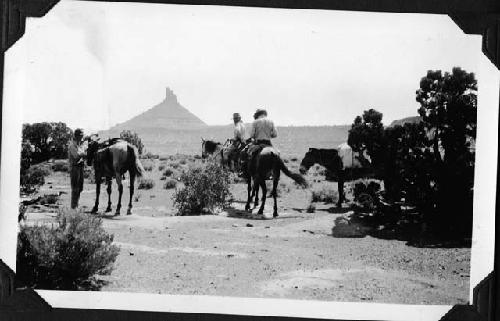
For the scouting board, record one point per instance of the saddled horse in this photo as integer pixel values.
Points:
(340, 165)
(112, 159)
(267, 163)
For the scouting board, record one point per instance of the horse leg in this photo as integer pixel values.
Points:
(274, 192)
(250, 195)
(108, 189)
(256, 193)
(131, 188)
(118, 178)
(97, 193)
(340, 189)
(264, 194)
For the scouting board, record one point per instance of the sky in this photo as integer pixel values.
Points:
(94, 64)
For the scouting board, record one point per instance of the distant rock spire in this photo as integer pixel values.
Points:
(170, 96)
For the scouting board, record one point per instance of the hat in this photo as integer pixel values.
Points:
(78, 132)
(236, 115)
(259, 112)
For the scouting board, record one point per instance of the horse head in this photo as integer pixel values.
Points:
(93, 146)
(311, 157)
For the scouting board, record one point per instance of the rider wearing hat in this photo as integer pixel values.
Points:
(238, 139)
(262, 131)
(262, 128)
(76, 152)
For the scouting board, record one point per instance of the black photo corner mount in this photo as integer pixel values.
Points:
(480, 17)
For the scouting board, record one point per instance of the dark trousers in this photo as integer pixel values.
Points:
(76, 178)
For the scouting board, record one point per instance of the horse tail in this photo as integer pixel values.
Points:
(299, 179)
(136, 163)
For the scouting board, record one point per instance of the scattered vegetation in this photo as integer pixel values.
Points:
(67, 255)
(133, 139)
(206, 190)
(428, 164)
(33, 178)
(60, 166)
(170, 183)
(146, 183)
(324, 193)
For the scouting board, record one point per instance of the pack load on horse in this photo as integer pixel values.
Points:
(112, 159)
(341, 163)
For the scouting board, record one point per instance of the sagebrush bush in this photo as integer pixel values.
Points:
(67, 255)
(206, 190)
(148, 167)
(146, 183)
(170, 183)
(325, 193)
(161, 167)
(168, 172)
(33, 178)
(60, 167)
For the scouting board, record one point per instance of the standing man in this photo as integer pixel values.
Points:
(76, 152)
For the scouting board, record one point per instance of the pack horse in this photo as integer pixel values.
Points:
(112, 159)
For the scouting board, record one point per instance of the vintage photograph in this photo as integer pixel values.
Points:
(247, 152)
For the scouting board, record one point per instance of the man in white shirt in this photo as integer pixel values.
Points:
(262, 131)
(237, 141)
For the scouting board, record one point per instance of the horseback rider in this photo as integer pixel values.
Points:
(238, 140)
(76, 153)
(263, 130)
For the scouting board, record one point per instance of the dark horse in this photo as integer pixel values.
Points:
(265, 164)
(332, 161)
(113, 158)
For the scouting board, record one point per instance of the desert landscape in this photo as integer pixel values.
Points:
(236, 253)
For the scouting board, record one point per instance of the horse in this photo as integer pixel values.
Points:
(342, 165)
(216, 151)
(267, 163)
(113, 158)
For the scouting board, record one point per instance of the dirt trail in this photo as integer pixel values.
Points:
(294, 256)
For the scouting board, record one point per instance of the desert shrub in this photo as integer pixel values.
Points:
(49, 140)
(22, 212)
(137, 197)
(294, 159)
(133, 139)
(148, 167)
(311, 208)
(150, 155)
(286, 160)
(324, 193)
(197, 157)
(33, 178)
(60, 167)
(168, 172)
(146, 183)
(67, 255)
(183, 161)
(170, 183)
(161, 167)
(206, 189)
(175, 165)
(49, 199)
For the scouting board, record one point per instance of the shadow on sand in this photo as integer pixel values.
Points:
(237, 213)
(407, 227)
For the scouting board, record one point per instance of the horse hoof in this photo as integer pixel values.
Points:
(275, 214)
(93, 211)
(129, 212)
(117, 213)
(108, 210)
(260, 212)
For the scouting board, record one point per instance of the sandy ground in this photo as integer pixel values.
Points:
(237, 254)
